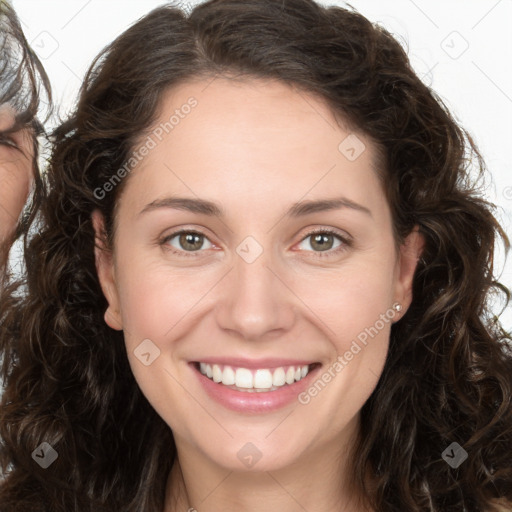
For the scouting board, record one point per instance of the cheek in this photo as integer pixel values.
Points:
(351, 298)
(157, 304)
(354, 306)
(155, 299)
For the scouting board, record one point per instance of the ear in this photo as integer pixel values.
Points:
(106, 272)
(410, 253)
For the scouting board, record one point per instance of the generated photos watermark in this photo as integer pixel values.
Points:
(343, 360)
(149, 144)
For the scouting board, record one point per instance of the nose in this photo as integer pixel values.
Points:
(256, 303)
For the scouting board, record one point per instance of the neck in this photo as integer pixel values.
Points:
(317, 482)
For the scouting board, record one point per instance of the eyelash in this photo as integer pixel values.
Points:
(346, 242)
(7, 141)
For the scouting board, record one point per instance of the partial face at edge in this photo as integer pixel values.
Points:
(254, 283)
(16, 171)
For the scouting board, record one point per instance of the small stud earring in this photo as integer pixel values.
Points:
(397, 307)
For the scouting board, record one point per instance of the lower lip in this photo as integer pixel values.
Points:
(255, 402)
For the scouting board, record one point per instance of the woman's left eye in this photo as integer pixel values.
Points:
(324, 241)
(188, 242)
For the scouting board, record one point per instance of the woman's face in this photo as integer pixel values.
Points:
(16, 161)
(247, 290)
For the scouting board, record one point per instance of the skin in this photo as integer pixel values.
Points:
(255, 147)
(16, 177)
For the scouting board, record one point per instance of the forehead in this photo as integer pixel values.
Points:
(253, 109)
(250, 139)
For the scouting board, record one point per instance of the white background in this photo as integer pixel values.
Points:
(462, 49)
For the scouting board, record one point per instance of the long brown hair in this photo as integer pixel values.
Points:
(448, 375)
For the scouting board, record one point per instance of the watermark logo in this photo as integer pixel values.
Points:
(45, 455)
(249, 455)
(454, 45)
(341, 361)
(149, 144)
(454, 455)
(249, 249)
(147, 352)
(45, 45)
(351, 147)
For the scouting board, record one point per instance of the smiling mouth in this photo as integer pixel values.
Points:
(254, 380)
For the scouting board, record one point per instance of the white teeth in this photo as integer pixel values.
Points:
(243, 378)
(217, 373)
(262, 379)
(290, 375)
(254, 381)
(228, 376)
(278, 378)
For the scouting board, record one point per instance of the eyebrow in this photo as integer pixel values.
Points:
(209, 208)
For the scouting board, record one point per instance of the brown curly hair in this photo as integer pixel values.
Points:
(448, 374)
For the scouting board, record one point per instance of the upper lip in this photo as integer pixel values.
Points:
(240, 362)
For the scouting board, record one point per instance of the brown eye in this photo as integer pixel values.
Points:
(326, 241)
(322, 242)
(186, 241)
(191, 241)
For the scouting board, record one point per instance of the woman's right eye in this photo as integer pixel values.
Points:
(188, 241)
